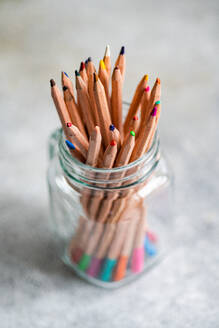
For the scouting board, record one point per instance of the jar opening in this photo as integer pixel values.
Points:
(115, 178)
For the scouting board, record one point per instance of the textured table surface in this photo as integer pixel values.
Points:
(177, 41)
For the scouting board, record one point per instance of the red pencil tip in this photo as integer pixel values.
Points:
(69, 124)
(135, 118)
(158, 80)
(82, 66)
(113, 143)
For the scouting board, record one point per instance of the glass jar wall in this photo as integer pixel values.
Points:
(110, 225)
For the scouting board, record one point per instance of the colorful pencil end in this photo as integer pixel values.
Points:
(154, 111)
(64, 88)
(122, 51)
(84, 262)
(137, 262)
(69, 124)
(82, 66)
(157, 102)
(121, 268)
(102, 65)
(76, 73)
(147, 89)
(132, 133)
(89, 59)
(108, 267)
(94, 267)
(107, 51)
(112, 127)
(135, 118)
(69, 144)
(146, 77)
(66, 74)
(158, 80)
(112, 143)
(52, 83)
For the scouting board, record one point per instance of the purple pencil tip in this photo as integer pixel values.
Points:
(154, 111)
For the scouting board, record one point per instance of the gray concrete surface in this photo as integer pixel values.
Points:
(178, 41)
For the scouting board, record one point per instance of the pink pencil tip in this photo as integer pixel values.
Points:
(154, 111)
(147, 89)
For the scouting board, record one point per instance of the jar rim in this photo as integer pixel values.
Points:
(147, 157)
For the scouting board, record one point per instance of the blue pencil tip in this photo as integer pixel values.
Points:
(112, 127)
(66, 74)
(122, 51)
(69, 144)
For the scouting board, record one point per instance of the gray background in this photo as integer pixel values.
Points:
(177, 41)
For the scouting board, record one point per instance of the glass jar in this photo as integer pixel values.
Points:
(110, 225)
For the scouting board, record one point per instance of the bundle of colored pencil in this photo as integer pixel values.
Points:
(112, 230)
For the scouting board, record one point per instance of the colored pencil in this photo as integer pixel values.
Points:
(135, 103)
(116, 100)
(103, 110)
(73, 111)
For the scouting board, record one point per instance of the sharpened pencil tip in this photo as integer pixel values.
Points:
(112, 143)
(86, 61)
(102, 65)
(82, 66)
(65, 88)
(147, 89)
(76, 73)
(132, 133)
(122, 51)
(107, 51)
(154, 111)
(66, 74)
(52, 83)
(135, 118)
(112, 127)
(69, 144)
(157, 102)
(89, 59)
(69, 124)
(158, 80)
(146, 77)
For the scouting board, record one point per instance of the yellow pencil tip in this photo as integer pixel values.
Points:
(146, 77)
(102, 65)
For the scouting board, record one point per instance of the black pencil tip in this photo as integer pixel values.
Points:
(122, 51)
(76, 73)
(89, 59)
(64, 88)
(52, 83)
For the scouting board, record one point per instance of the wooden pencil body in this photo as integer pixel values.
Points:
(74, 112)
(135, 103)
(116, 100)
(103, 112)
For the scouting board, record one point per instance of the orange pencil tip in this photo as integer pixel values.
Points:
(158, 80)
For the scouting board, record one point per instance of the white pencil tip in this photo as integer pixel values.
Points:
(107, 51)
